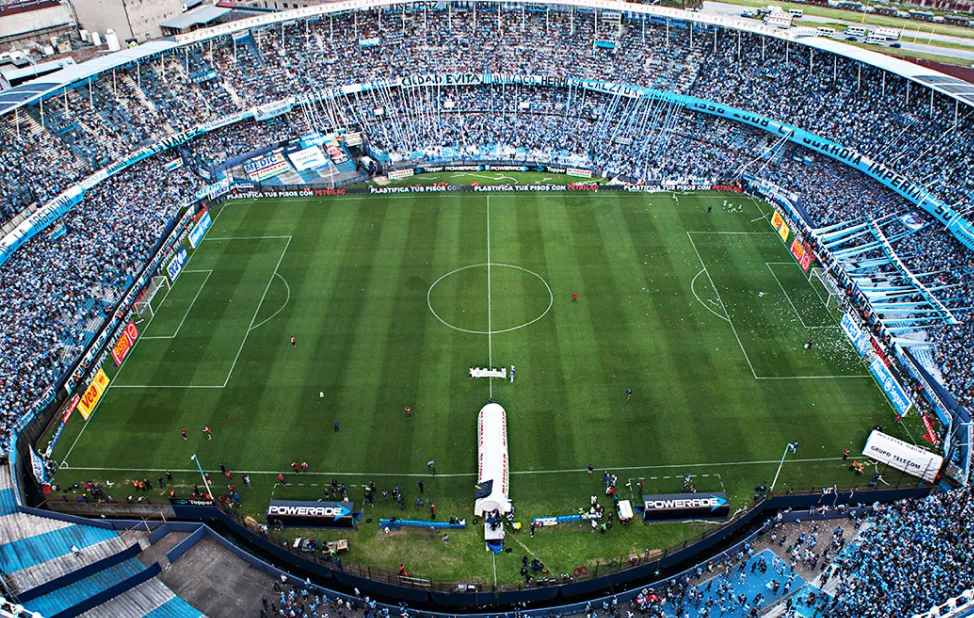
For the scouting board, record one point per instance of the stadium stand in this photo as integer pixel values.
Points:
(58, 289)
(54, 565)
(46, 148)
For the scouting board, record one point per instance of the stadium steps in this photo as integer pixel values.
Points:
(35, 575)
(152, 599)
(8, 502)
(33, 127)
(133, 86)
(72, 594)
(36, 550)
(232, 92)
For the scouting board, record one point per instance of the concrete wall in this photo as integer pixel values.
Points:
(137, 19)
(146, 15)
(100, 15)
(16, 25)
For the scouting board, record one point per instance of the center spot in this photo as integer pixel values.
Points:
(518, 298)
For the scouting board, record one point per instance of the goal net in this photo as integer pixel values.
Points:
(828, 289)
(143, 307)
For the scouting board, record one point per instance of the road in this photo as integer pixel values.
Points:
(728, 10)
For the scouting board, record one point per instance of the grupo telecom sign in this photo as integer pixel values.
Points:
(664, 507)
(311, 514)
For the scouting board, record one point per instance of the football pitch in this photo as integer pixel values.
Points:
(391, 300)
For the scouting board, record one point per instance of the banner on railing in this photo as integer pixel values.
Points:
(176, 264)
(124, 344)
(894, 392)
(199, 230)
(860, 340)
(92, 395)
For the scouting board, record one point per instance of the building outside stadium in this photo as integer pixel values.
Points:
(371, 256)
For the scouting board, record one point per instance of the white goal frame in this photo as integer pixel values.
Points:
(832, 288)
(145, 305)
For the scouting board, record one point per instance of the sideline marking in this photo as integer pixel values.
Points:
(474, 474)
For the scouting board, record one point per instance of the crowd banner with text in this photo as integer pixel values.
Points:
(123, 346)
(903, 456)
(894, 391)
(664, 507)
(306, 514)
(92, 394)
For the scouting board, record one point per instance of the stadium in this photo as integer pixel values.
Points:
(543, 308)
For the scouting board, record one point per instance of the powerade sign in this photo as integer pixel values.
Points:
(858, 338)
(197, 233)
(311, 514)
(665, 507)
(176, 264)
(894, 392)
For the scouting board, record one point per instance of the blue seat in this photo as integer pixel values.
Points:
(30, 551)
(72, 594)
(174, 608)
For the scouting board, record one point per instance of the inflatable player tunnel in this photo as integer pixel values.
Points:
(493, 477)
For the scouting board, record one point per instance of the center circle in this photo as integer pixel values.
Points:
(500, 286)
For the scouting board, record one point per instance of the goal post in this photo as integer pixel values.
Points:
(143, 306)
(831, 294)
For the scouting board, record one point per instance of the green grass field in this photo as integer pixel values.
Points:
(703, 316)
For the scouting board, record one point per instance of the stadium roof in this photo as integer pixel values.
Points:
(949, 86)
(42, 68)
(52, 82)
(197, 17)
(941, 82)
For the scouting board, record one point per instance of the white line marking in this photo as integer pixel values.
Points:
(429, 304)
(731, 233)
(250, 328)
(854, 377)
(147, 386)
(188, 309)
(788, 298)
(111, 383)
(474, 474)
(245, 237)
(734, 330)
(700, 301)
(490, 334)
(722, 306)
(286, 301)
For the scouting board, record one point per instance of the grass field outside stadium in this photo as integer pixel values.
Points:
(393, 298)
